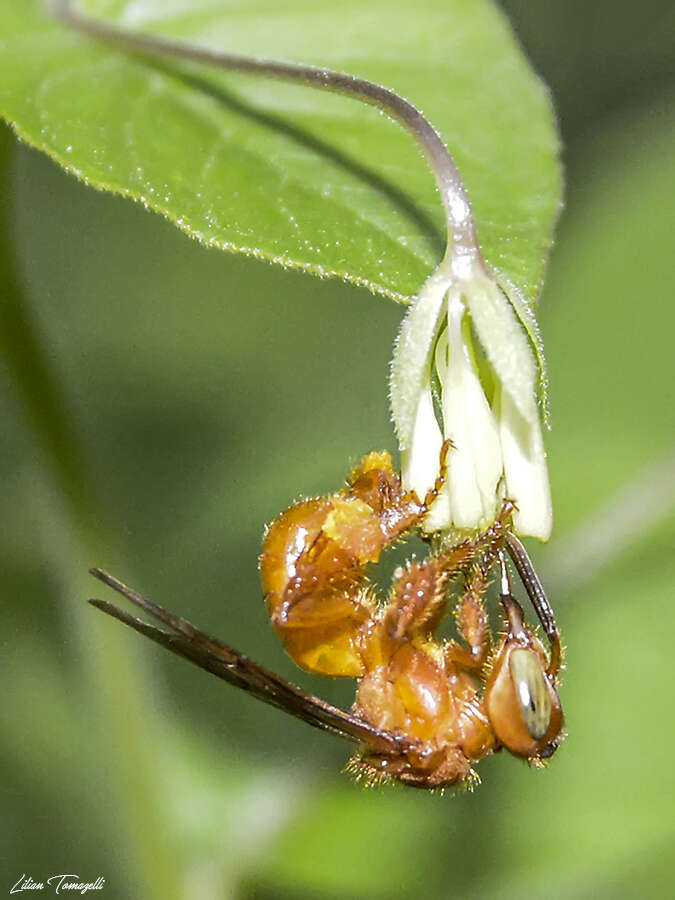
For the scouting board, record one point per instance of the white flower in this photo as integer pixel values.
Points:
(464, 368)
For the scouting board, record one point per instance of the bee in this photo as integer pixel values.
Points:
(426, 711)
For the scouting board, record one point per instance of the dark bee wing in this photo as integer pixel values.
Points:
(216, 657)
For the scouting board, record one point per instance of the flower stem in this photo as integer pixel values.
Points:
(461, 232)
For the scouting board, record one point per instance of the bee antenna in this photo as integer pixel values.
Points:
(537, 595)
(504, 576)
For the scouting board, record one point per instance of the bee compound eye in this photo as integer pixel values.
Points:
(532, 690)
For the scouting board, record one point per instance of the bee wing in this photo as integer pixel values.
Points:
(214, 656)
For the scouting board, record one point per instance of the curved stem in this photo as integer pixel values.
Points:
(462, 242)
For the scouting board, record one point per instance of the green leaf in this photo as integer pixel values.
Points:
(287, 173)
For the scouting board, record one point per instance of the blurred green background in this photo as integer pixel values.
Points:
(161, 402)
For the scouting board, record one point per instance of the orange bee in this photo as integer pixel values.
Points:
(425, 711)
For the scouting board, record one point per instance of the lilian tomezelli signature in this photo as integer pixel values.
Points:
(58, 883)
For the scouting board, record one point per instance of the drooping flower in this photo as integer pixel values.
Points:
(465, 368)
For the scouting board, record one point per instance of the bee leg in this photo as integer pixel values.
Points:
(489, 542)
(470, 612)
(472, 624)
(434, 491)
(418, 598)
(376, 482)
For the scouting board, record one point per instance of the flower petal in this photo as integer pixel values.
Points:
(412, 354)
(475, 465)
(419, 464)
(525, 469)
(505, 342)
